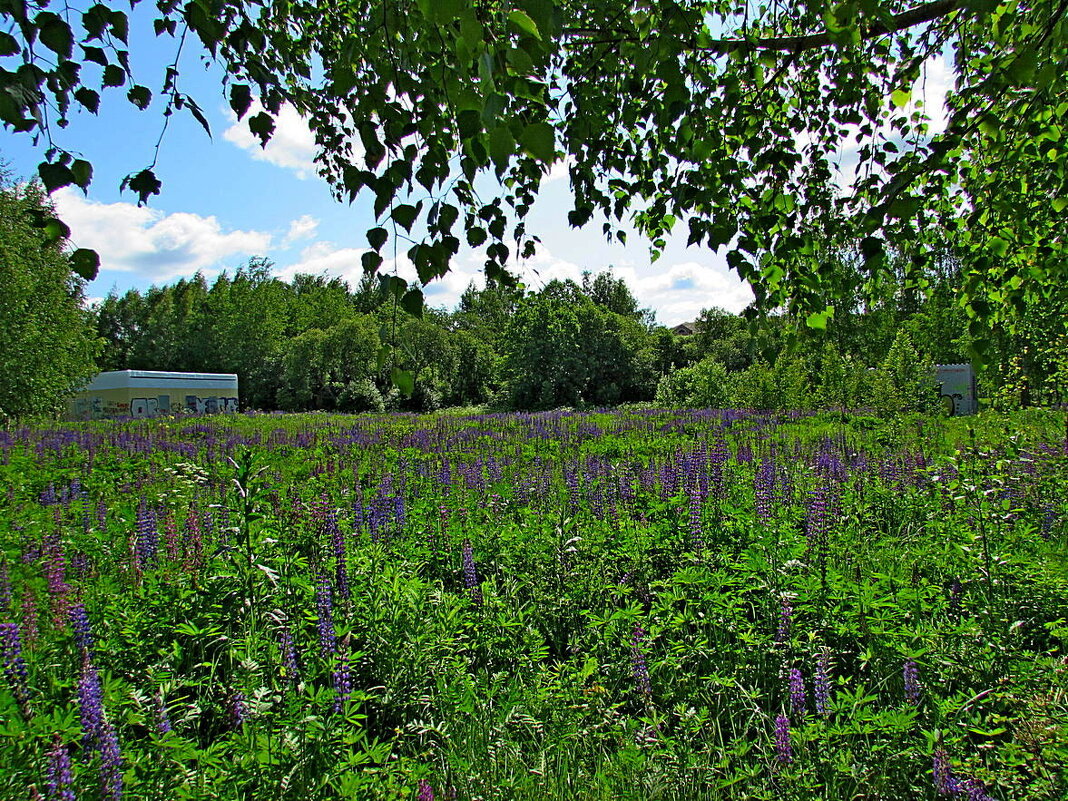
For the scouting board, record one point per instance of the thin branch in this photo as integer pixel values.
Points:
(927, 12)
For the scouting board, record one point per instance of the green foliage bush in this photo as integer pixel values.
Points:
(47, 343)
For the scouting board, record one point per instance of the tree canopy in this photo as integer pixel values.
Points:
(730, 118)
(47, 343)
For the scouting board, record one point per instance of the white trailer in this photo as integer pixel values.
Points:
(148, 393)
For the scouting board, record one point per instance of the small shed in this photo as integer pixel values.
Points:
(956, 384)
(147, 393)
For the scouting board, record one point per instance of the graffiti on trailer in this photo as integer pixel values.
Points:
(210, 405)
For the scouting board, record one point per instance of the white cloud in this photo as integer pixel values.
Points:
(292, 145)
(677, 292)
(935, 82)
(303, 227)
(325, 258)
(157, 246)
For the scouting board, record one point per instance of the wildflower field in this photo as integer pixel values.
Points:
(643, 604)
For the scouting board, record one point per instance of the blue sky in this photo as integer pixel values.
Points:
(225, 199)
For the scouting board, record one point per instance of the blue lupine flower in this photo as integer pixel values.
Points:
(911, 675)
(59, 776)
(14, 664)
(79, 621)
(822, 683)
(639, 668)
(797, 693)
(784, 753)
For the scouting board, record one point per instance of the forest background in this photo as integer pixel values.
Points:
(316, 343)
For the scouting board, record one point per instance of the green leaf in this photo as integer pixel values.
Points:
(55, 230)
(539, 140)
(998, 246)
(9, 46)
(88, 98)
(501, 146)
(96, 55)
(904, 208)
(447, 217)
(901, 97)
(140, 96)
(404, 215)
(819, 319)
(1060, 204)
(113, 75)
(240, 99)
(412, 302)
(524, 23)
(371, 261)
(441, 11)
(85, 262)
(82, 171)
(263, 126)
(55, 33)
(55, 176)
(145, 184)
(377, 237)
(403, 380)
(120, 26)
(476, 236)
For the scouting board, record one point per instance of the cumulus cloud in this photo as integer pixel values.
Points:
(292, 145)
(303, 227)
(158, 247)
(327, 259)
(676, 291)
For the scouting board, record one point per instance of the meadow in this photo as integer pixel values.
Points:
(638, 604)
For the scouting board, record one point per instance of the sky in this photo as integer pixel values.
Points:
(225, 199)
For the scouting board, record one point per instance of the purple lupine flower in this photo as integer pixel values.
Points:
(194, 539)
(942, 773)
(337, 542)
(290, 669)
(425, 792)
(1049, 518)
(14, 664)
(764, 490)
(5, 589)
(639, 668)
(822, 683)
(147, 536)
(342, 683)
(324, 605)
(59, 776)
(912, 682)
(170, 537)
(55, 569)
(784, 753)
(237, 710)
(91, 704)
(786, 621)
(817, 520)
(471, 573)
(110, 762)
(79, 621)
(30, 616)
(975, 789)
(163, 720)
(697, 536)
(797, 693)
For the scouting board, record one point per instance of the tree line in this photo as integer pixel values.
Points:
(315, 343)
